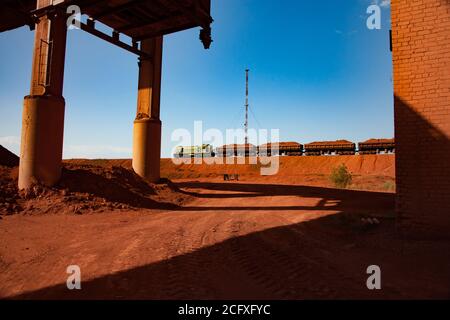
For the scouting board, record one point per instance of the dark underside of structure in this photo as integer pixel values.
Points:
(138, 19)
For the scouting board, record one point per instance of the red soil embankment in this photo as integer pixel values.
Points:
(370, 172)
(376, 165)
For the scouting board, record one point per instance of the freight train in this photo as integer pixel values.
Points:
(376, 146)
(319, 148)
(281, 148)
(204, 151)
(237, 150)
(339, 147)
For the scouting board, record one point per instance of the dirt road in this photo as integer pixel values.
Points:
(234, 241)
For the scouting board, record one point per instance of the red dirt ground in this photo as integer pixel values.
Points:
(202, 238)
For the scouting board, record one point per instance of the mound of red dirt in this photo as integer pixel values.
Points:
(329, 143)
(7, 158)
(282, 145)
(373, 141)
(86, 189)
(8, 191)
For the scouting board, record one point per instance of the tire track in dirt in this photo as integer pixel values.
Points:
(309, 265)
(279, 273)
(185, 277)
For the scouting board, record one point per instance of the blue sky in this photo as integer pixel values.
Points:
(317, 73)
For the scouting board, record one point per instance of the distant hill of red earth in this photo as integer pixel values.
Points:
(370, 172)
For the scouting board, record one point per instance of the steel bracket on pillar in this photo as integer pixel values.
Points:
(205, 37)
(203, 19)
(47, 11)
(45, 60)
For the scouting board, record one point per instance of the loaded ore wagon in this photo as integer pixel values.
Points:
(339, 147)
(237, 150)
(377, 146)
(204, 151)
(282, 148)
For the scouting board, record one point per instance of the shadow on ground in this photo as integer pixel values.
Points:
(331, 199)
(325, 258)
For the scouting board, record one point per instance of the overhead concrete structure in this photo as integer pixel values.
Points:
(145, 21)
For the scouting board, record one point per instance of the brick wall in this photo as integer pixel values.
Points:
(421, 57)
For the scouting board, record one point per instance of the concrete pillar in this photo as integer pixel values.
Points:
(43, 111)
(147, 126)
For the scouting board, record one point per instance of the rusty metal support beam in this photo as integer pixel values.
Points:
(195, 12)
(151, 26)
(113, 39)
(23, 13)
(43, 10)
(114, 10)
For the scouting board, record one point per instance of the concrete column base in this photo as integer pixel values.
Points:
(147, 148)
(42, 141)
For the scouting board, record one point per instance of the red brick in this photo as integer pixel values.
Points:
(421, 57)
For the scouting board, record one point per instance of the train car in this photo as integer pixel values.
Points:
(284, 149)
(318, 148)
(204, 151)
(377, 146)
(339, 147)
(237, 150)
